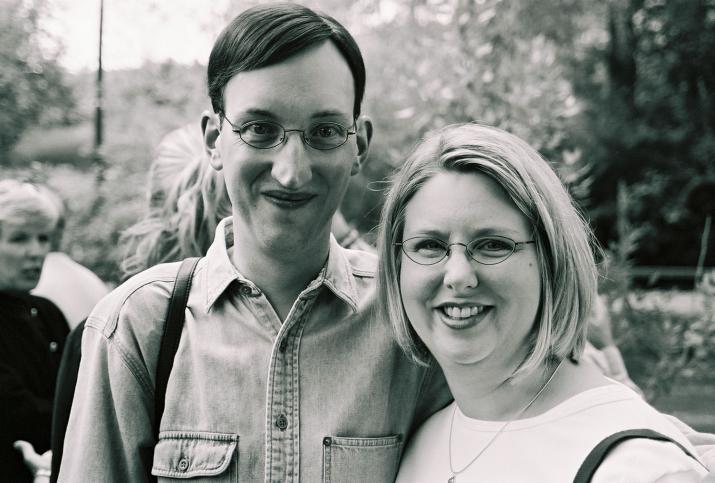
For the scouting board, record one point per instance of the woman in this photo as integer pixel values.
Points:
(32, 329)
(486, 264)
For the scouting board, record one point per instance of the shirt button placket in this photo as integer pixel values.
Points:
(281, 422)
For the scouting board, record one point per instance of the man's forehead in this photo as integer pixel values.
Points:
(317, 82)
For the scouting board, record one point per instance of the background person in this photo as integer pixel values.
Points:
(32, 329)
(72, 287)
(487, 266)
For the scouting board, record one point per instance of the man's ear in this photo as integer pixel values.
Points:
(210, 130)
(363, 128)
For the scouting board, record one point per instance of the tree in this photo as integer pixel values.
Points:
(32, 84)
(648, 121)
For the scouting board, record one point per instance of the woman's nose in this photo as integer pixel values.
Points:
(459, 270)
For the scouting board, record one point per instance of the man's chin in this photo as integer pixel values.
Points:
(286, 243)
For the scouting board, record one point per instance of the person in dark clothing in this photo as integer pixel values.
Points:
(32, 329)
(66, 382)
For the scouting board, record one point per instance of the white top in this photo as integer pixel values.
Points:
(549, 447)
(73, 288)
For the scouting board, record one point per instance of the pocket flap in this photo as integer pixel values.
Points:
(182, 454)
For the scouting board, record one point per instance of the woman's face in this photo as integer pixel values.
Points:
(466, 312)
(23, 247)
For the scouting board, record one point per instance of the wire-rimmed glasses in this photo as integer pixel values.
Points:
(269, 134)
(487, 250)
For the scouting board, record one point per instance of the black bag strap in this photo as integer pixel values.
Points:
(599, 453)
(172, 335)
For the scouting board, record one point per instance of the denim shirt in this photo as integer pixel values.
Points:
(325, 395)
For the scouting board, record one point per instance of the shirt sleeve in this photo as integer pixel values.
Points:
(644, 460)
(434, 395)
(109, 435)
(704, 443)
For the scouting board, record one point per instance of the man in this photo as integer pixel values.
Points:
(281, 374)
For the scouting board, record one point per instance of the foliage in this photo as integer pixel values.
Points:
(647, 121)
(33, 88)
(608, 91)
(665, 341)
(664, 346)
(140, 108)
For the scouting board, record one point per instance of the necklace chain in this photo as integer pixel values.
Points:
(454, 472)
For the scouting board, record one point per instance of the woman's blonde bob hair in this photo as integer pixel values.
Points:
(563, 239)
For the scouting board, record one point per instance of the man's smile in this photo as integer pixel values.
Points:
(288, 199)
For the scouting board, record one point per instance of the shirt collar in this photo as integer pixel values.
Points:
(336, 275)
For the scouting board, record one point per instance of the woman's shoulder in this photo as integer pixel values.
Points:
(613, 407)
(645, 460)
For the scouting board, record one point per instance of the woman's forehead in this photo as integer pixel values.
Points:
(28, 224)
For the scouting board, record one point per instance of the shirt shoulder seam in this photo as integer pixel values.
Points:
(136, 368)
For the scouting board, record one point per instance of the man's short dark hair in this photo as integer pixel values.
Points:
(268, 34)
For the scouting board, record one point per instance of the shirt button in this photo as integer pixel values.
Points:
(246, 290)
(183, 464)
(53, 346)
(283, 346)
(33, 312)
(282, 422)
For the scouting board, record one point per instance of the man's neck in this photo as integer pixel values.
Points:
(280, 274)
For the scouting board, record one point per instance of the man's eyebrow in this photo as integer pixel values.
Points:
(330, 113)
(253, 112)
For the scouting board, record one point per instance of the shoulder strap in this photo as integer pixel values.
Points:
(599, 453)
(172, 335)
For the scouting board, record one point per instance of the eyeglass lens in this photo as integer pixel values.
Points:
(268, 134)
(486, 250)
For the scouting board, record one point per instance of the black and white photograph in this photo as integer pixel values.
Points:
(368, 241)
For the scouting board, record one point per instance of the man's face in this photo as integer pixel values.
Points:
(23, 247)
(284, 197)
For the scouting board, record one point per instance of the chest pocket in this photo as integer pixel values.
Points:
(347, 460)
(201, 456)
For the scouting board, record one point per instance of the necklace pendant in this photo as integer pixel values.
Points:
(452, 479)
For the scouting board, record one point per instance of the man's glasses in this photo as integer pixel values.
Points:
(488, 250)
(269, 134)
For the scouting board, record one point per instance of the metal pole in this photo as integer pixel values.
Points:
(98, 124)
(97, 157)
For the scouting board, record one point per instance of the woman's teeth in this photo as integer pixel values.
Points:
(455, 312)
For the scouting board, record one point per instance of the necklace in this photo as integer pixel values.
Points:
(453, 478)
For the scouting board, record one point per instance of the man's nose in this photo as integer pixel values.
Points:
(459, 270)
(291, 164)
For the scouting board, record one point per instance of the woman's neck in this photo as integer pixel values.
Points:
(485, 394)
(494, 395)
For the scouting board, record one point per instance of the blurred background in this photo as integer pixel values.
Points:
(618, 94)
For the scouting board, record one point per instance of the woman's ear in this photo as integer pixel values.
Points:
(210, 129)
